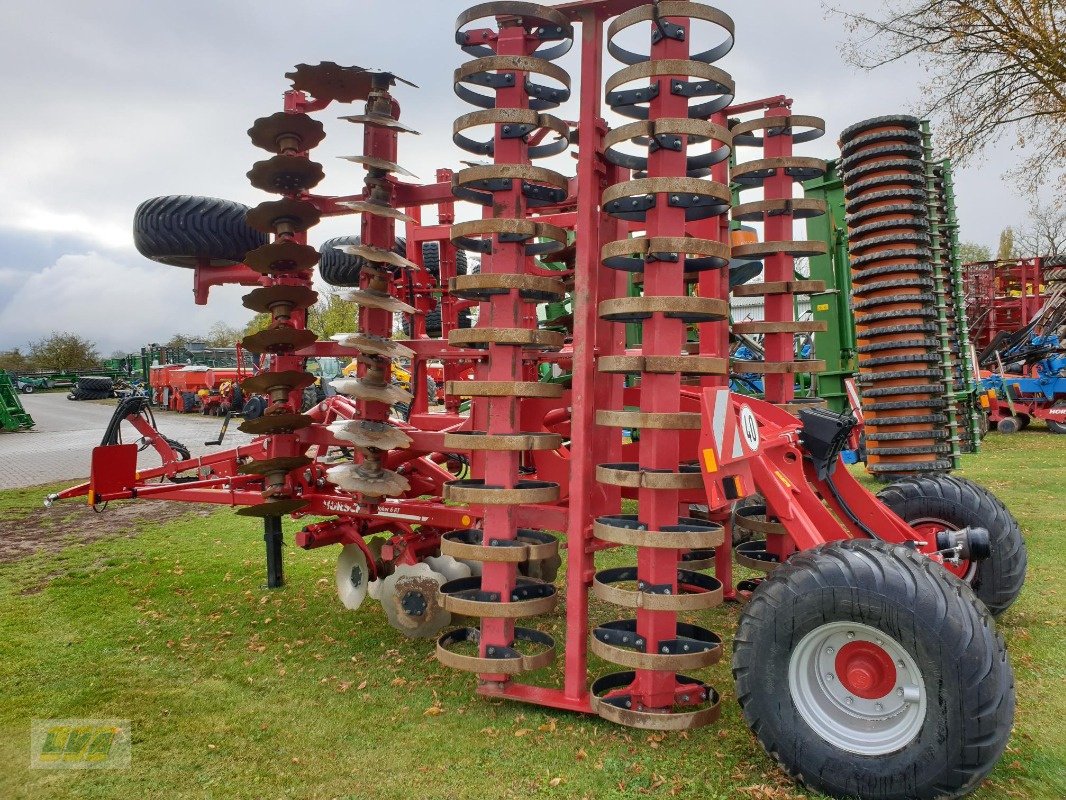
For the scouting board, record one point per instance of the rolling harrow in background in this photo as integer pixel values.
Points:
(461, 513)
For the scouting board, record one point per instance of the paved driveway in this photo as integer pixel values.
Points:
(59, 446)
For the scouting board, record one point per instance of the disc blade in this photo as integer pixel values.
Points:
(275, 508)
(379, 163)
(389, 394)
(279, 299)
(279, 340)
(409, 599)
(367, 433)
(371, 299)
(378, 255)
(375, 345)
(281, 256)
(266, 132)
(275, 423)
(285, 174)
(351, 478)
(381, 121)
(378, 210)
(352, 576)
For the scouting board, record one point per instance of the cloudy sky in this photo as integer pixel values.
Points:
(114, 101)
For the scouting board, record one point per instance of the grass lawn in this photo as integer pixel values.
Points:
(160, 617)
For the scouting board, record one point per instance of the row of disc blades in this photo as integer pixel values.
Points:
(900, 377)
(372, 436)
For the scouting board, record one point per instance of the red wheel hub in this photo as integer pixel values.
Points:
(929, 530)
(865, 670)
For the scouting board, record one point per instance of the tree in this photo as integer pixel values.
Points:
(332, 315)
(64, 352)
(971, 252)
(994, 67)
(222, 335)
(1045, 234)
(14, 361)
(1006, 244)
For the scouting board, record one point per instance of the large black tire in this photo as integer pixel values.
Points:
(338, 268)
(183, 231)
(959, 503)
(254, 407)
(96, 384)
(945, 714)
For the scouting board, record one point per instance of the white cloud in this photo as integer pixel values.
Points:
(119, 306)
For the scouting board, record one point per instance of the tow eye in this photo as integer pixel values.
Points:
(968, 544)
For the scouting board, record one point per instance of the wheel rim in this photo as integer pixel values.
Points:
(857, 688)
(929, 527)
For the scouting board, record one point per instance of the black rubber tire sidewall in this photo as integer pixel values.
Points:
(925, 609)
(186, 230)
(998, 580)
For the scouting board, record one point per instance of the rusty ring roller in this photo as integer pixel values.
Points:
(798, 208)
(694, 648)
(530, 339)
(689, 533)
(515, 123)
(514, 442)
(658, 15)
(498, 660)
(679, 421)
(666, 134)
(632, 255)
(695, 591)
(685, 365)
(754, 555)
(474, 544)
(540, 186)
(804, 366)
(465, 235)
(686, 309)
(797, 249)
(283, 131)
(634, 476)
(779, 287)
(778, 126)
(753, 173)
(801, 326)
(619, 708)
(748, 518)
(711, 81)
(549, 23)
(482, 286)
(631, 200)
(475, 491)
(501, 72)
(504, 389)
(528, 598)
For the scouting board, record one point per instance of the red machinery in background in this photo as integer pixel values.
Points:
(1002, 297)
(857, 649)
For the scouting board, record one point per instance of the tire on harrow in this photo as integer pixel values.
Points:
(955, 503)
(338, 268)
(184, 230)
(836, 622)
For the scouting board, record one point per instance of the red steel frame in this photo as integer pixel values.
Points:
(1001, 296)
(810, 509)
